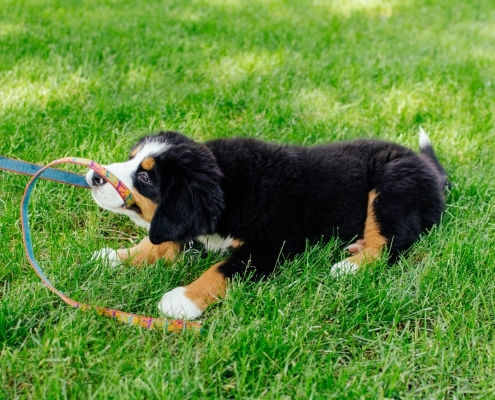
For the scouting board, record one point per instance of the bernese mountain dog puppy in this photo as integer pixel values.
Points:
(265, 200)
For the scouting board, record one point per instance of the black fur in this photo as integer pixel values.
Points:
(190, 196)
(274, 198)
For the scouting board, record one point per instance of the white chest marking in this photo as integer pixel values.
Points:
(215, 242)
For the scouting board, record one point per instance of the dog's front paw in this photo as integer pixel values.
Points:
(176, 304)
(343, 267)
(108, 256)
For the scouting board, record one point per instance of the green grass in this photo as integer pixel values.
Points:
(87, 78)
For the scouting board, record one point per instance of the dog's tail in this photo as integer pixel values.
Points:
(427, 150)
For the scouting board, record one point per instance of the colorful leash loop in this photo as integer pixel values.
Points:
(128, 318)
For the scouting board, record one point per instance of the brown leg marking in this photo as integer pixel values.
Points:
(147, 253)
(208, 288)
(373, 241)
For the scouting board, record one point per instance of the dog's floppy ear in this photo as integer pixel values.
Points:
(192, 200)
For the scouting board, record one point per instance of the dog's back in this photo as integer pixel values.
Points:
(296, 193)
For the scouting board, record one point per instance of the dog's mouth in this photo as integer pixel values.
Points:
(133, 207)
(121, 208)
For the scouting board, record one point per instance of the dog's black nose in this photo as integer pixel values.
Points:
(98, 180)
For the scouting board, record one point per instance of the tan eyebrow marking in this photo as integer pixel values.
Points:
(148, 163)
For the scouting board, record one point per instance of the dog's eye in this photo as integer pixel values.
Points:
(144, 177)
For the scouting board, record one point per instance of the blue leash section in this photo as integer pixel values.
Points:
(28, 242)
(52, 174)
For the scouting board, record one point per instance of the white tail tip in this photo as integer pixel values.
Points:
(424, 140)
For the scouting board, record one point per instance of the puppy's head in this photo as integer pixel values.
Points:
(176, 185)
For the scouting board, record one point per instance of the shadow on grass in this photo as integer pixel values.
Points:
(267, 69)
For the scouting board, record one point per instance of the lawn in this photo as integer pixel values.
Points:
(87, 78)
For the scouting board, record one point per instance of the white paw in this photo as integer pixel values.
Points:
(108, 256)
(176, 305)
(343, 267)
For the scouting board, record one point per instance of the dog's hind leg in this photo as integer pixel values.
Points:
(356, 247)
(369, 248)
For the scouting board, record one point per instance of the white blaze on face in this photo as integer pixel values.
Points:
(107, 197)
